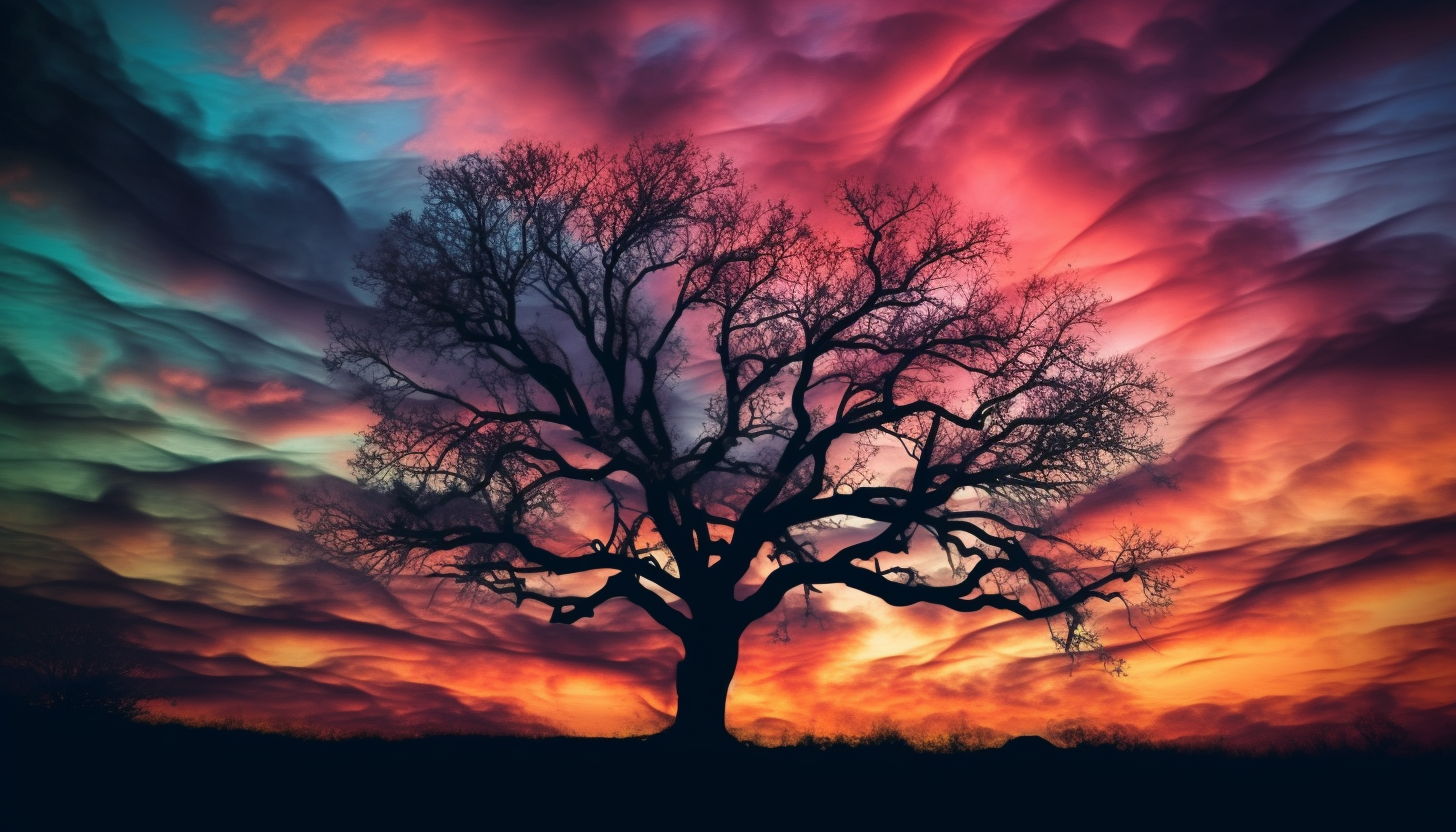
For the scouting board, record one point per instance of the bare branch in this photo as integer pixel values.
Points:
(627, 367)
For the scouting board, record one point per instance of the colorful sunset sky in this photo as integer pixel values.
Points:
(1265, 191)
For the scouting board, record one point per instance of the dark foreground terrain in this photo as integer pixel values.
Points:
(70, 774)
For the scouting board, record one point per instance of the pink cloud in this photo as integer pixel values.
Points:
(1157, 153)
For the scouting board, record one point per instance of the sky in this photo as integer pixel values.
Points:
(1265, 191)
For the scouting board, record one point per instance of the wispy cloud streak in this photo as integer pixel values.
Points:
(1266, 192)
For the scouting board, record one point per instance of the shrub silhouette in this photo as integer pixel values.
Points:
(69, 660)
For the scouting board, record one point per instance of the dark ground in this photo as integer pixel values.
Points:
(67, 774)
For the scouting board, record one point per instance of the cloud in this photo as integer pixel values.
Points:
(1264, 193)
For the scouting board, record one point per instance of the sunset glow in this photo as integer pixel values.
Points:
(1267, 193)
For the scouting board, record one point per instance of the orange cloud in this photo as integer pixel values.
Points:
(1260, 193)
(1116, 141)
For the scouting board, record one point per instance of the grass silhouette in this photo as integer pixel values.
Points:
(68, 772)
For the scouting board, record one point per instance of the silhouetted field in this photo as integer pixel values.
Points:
(67, 773)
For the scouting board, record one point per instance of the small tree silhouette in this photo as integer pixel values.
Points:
(622, 376)
(68, 660)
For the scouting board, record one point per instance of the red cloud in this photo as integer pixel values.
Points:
(1277, 242)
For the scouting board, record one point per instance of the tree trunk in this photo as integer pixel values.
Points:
(709, 661)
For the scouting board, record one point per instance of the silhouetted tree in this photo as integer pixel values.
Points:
(69, 660)
(604, 377)
(1379, 733)
(1079, 733)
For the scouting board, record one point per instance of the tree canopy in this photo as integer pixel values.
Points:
(625, 376)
